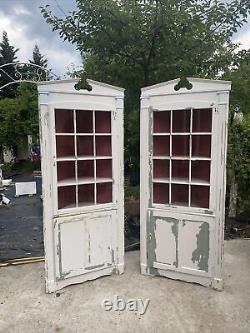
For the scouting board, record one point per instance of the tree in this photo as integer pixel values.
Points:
(7, 55)
(38, 58)
(135, 43)
(19, 117)
(239, 132)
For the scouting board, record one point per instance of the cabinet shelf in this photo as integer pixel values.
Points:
(179, 180)
(66, 182)
(83, 180)
(161, 180)
(198, 182)
(83, 158)
(103, 180)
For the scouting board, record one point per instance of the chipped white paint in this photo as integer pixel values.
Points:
(25, 188)
(192, 250)
(86, 241)
(165, 250)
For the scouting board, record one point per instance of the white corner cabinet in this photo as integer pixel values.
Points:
(183, 168)
(81, 135)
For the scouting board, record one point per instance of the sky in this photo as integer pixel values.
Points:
(26, 27)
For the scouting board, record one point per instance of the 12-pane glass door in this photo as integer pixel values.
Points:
(83, 157)
(182, 157)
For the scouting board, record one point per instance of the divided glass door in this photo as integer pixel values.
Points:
(182, 157)
(83, 158)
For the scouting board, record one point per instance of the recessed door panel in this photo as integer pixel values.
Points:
(165, 242)
(68, 252)
(194, 253)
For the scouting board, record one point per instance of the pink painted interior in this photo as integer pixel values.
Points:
(202, 120)
(201, 145)
(180, 145)
(85, 146)
(65, 170)
(161, 145)
(161, 169)
(160, 193)
(104, 168)
(179, 194)
(201, 170)
(103, 146)
(86, 194)
(64, 122)
(66, 196)
(104, 193)
(200, 196)
(180, 169)
(84, 121)
(65, 146)
(85, 168)
(181, 121)
(103, 122)
(161, 121)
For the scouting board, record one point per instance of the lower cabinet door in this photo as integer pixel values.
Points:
(85, 244)
(181, 246)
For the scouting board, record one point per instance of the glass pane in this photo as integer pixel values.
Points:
(161, 169)
(179, 194)
(66, 197)
(201, 145)
(85, 146)
(66, 170)
(180, 170)
(202, 120)
(181, 121)
(160, 193)
(84, 121)
(104, 193)
(86, 195)
(85, 169)
(64, 122)
(201, 171)
(65, 146)
(161, 121)
(103, 146)
(180, 145)
(103, 122)
(104, 168)
(200, 196)
(161, 145)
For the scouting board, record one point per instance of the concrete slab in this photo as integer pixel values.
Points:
(174, 306)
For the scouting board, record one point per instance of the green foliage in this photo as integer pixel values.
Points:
(19, 117)
(7, 55)
(239, 161)
(38, 58)
(131, 193)
(238, 164)
(134, 43)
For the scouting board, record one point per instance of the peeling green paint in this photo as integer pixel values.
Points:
(151, 240)
(201, 254)
(151, 243)
(174, 229)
